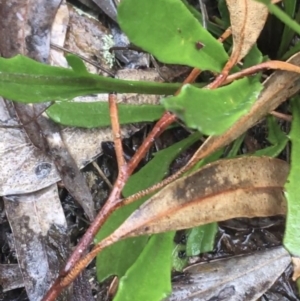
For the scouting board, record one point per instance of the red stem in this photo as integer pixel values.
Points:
(116, 130)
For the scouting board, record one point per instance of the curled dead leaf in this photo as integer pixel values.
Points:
(247, 19)
(225, 189)
(240, 187)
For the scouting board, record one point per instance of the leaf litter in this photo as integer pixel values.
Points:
(242, 187)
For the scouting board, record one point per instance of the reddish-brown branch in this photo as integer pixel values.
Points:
(109, 207)
(278, 65)
(62, 282)
(116, 130)
(100, 219)
(191, 77)
(167, 119)
(225, 35)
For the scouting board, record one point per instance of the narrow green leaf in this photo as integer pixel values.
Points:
(276, 137)
(171, 33)
(116, 259)
(288, 34)
(223, 9)
(281, 15)
(201, 239)
(253, 57)
(293, 50)
(213, 28)
(292, 188)
(236, 146)
(212, 112)
(25, 80)
(96, 114)
(77, 64)
(149, 278)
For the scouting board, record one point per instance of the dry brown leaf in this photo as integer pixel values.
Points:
(40, 237)
(242, 187)
(225, 189)
(247, 19)
(221, 280)
(296, 265)
(10, 277)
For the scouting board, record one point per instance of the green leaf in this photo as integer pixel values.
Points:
(77, 64)
(223, 9)
(213, 28)
(25, 80)
(201, 239)
(293, 50)
(169, 31)
(291, 46)
(96, 114)
(149, 278)
(236, 146)
(179, 258)
(116, 259)
(292, 188)
(212, 112)
(276, 137)
(288, 34)
(253, 57)
(281, 15)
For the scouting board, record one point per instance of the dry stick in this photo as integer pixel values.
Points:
(282, 116)
(226, 34)
(111, 205)
(102, 174)
(106, 210)
(93, 63)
